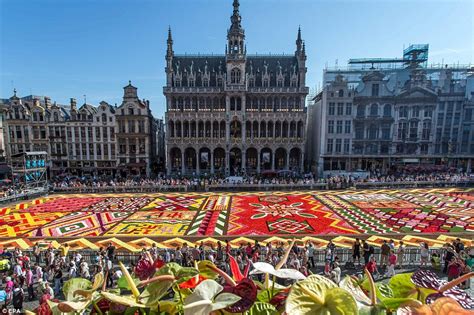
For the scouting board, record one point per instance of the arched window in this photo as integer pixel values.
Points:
(374, 110)
(341, 93)
(235, 75)
(387, 110)
(56, 116)
(104, 118)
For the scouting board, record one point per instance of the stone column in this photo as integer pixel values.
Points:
(243, 130)
(212, 130)
(287, 166)
(212, 162)
(168, 163)
(182, 129)
(183, 166)
(302, 162)
(244, 161)
(273, 160)
(227, 162)
(197, 162)
(258, 161)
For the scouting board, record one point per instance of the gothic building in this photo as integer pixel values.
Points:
(84, 140)
(235, 113)
(389, 116)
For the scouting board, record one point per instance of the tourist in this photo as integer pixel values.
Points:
(29, 284)
(57, 277)
(449, 254)
(110, 251)
(384, 253)
(17, 298)
(310, 254)
(400, 254)
(371, 267)
(356, 251)
(424, 254)
(37, 252)
(454, 268)
(336, 271)
(392, 262)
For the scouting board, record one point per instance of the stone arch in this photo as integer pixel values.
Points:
(205, 159)
(171, 128)
(280, 159)
(175, 159)
(186, 129)
(251, 156)
(266, 159)
(235, 161)
(295, 159)
(300, 131)
(219, 160)
(190, 160)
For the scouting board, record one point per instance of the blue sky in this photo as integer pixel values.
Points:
(68, 48)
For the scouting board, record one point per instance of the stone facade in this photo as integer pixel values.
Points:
(85, 140)
(235, 114)
(383, 118)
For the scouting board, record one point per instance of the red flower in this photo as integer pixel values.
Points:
(192, 283)
(146, 268)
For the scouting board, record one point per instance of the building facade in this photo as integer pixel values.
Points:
(86, 140)
(381, 118)
(235, 114)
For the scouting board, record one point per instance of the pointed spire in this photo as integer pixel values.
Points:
(169, 44)
(235, 19)
(299, 41)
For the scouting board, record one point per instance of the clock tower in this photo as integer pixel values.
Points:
(235, 49)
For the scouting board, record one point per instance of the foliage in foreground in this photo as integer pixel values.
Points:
(156, 288)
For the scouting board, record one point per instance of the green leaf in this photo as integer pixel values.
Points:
(123, 284)
(202, 302)
(317, 295)
(307, 215)
(154, 292)
(74, 284)
(260, 308)
(403, 287)
(259, 215)
(349, 284)
(205, 268)
(122, 300)
(168, 307)
(181, 274)
(267, 294)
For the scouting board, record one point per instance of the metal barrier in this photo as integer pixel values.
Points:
(411, 257)
(261, 187)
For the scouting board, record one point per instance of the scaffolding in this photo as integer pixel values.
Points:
(413, 57)
(30, 171)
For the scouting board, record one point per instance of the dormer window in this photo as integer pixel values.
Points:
(251, 82)
(280, 82)
(293, 83)
(130, 111)
(177, 82)
(191, 82)
(235, 76)
(205, 82)
(266, 82)
(219, 81)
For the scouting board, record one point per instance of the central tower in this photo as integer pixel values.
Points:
(235, 49)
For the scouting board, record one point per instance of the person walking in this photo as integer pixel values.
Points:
(400, 254)
(29, 284)
(392, 262)
(385, 252)
(424, 253)
(356, 252)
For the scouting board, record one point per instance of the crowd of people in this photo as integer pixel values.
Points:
(333, 181)
(40, 274)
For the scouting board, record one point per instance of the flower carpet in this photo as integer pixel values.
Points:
(242, 214)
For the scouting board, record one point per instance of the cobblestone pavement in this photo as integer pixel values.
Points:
(33, 304)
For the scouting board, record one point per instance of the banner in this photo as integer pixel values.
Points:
(204, 157)
(266, 157)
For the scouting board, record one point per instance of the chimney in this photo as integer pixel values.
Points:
(73, 104)
(47, 102)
